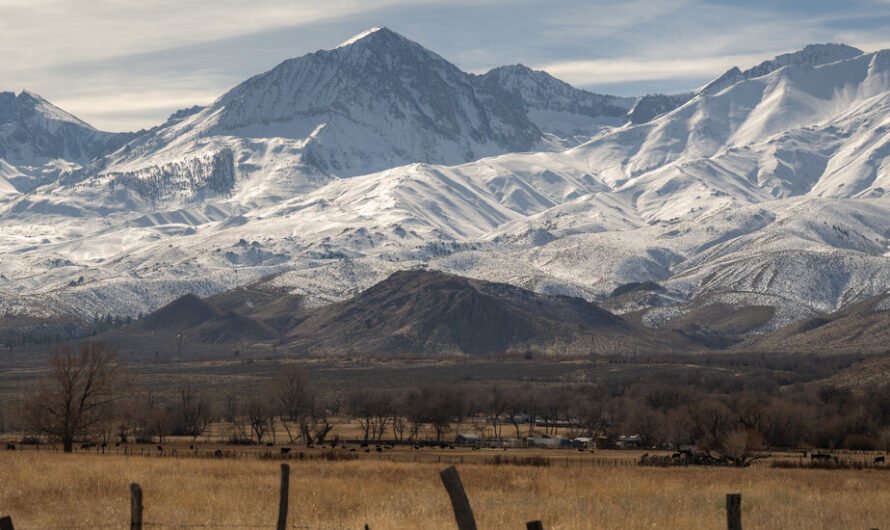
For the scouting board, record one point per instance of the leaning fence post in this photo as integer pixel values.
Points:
(459, 501)
(534, 525)
(734, 511)
(282, 500)
(135, 507)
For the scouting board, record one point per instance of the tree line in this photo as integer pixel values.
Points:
(88, 396)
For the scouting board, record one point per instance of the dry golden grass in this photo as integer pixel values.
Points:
(61, 491)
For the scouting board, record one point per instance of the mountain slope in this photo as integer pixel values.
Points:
(376, 102)
(431, 313)
(863, 327)
(566, 113)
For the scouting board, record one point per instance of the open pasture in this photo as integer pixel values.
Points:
(91, 491)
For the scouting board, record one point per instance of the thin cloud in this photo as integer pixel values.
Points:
(126, 64)
(606, 71)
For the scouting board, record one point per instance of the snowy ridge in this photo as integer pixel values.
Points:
(336, 169)
(358, 37)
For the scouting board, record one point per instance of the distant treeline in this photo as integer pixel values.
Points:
(774, 402)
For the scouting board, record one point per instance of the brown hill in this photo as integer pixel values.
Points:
(221, 323)
(433, 313)
(179, 315)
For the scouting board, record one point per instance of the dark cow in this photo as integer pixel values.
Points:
(285, 450)
(880, 460)
(820, 456)
(10, 447)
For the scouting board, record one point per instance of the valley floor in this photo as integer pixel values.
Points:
(68, 491)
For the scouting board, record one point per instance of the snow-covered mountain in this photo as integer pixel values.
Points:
(38, 140)
(375, 102)
(766, 188)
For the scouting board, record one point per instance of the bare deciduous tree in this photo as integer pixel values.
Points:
(76, 400)
(193, 414)
(259, 417)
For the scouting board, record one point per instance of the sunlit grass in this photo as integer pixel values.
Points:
(55, 490)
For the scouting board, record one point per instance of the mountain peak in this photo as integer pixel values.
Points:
(26, 103)
(375, 38)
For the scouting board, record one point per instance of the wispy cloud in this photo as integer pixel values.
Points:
(606, 71)
(126, 64)
(52, 32)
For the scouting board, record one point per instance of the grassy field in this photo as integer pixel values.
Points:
(65, 491)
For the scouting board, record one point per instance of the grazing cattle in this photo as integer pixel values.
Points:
(379, 449)
(269, 444)
(218, 453)
(285, 450)
(880, 460)
(820, 456)
(160, 448)
(10, 447)
(192, 447)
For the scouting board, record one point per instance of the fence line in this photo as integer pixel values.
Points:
(460, 503)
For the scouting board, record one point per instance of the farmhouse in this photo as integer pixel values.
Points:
(582, 442)
(629, 441)
(467, 439)
(549, 443)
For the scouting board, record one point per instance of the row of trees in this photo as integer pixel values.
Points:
(88, 396)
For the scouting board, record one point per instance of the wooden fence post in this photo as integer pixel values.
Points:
(459, 501)
(734, 511)
(534, 525)
(282, 500)
(6, 523)
(135, 507)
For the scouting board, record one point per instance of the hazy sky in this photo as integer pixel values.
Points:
(126, 64)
